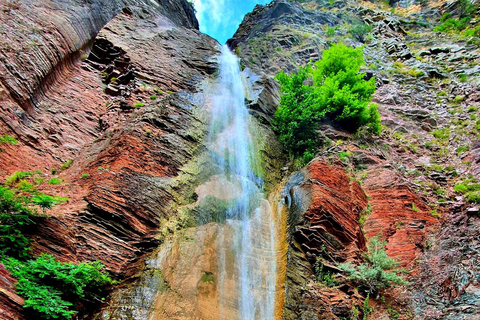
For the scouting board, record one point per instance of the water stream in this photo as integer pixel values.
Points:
(250, 239)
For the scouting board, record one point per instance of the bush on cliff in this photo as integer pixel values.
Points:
(50, 288)
(338, 92)
(378, 272)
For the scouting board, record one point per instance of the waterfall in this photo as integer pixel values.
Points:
(248, 234)
(229, 262)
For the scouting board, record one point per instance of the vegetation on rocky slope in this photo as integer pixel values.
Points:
(50, 288)
(338, 92)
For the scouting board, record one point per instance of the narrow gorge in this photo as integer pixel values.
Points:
(145, 173)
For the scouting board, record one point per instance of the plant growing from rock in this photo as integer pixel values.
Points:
(6, 139)
(50, 288)
(339, 92)
(378, 272)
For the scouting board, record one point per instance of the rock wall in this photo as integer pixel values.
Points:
(324, 210)
(125, 115)
(426, 85)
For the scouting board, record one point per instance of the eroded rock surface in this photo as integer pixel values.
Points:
(126, 149)
(324, 208)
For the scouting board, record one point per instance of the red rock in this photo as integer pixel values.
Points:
(53, 103)
(10, 303)
(393, 216)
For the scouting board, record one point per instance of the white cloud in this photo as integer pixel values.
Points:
(210, 14)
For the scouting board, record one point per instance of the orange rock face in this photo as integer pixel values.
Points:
(325, 206)
(399, 215)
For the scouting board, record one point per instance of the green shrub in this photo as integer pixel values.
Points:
(85, 175)
(378, 272)
(51, 288)
(16, 177)
(54, 181)
(474, 197)
(47, 202)
(441, 133)
(453, 24)
(138, 104)
(339, 92)
(359, 31)
(15, 219)
(153, 97)
(8, 140)
(330, 32)
(66, 164)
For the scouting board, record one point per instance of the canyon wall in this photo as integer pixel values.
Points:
(427, 83)
(116, 87)
(112, 87)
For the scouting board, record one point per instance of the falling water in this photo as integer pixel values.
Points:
(226, 266)
(248, 232)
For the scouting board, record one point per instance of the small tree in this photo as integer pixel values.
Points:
(339, 92)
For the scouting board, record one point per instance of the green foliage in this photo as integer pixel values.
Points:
(453, 24)
(208, 277)
(47, 202)
(50, 288)
(85, 175)
(470, 188)
(339, 92)
(414, 208)
(295, 118)
(138, 105)
(17, 176)
(153, 97)
(324, 276)
(54, 181)
(66, 164)
(307, 157)
(379, 270)
(359, 31)
(345, 155)
(330, 32)
(441, 133)
(467, 11)
(366, 308)
(6, 139)
(15, 219)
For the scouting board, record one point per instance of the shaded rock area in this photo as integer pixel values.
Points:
(128, 149)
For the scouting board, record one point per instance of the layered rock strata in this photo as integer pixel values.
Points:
(126, 149)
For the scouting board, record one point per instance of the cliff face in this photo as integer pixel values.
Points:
(427, 83)
(117, 87)
(124, 113)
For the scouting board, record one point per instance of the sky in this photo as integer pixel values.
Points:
(221, 18)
